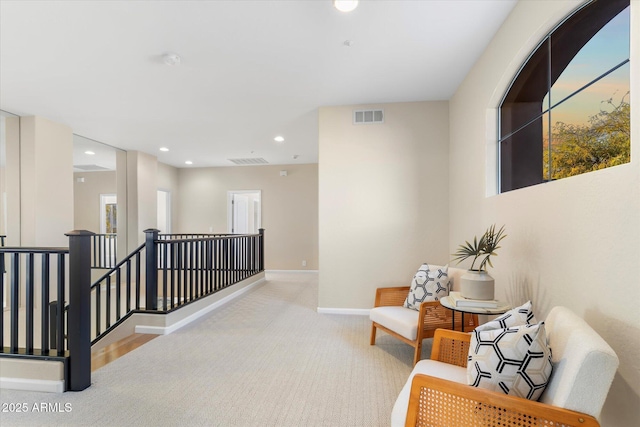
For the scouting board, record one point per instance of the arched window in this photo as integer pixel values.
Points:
(567, 110)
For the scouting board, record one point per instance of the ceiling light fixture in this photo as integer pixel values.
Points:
(345, 5)
(91, 153)
(164, 149)
(171, 59)
(278, 139)
(188, 162)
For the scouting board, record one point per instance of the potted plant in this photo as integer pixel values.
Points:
(477, 283)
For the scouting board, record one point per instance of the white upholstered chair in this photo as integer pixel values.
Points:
(413, 326)
(584, 365)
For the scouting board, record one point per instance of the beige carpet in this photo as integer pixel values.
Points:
(265, 359)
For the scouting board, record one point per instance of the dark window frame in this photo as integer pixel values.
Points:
(522, 109)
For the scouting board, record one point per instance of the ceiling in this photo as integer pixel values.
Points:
(250, 70)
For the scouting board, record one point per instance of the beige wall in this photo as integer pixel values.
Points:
(289, 208)
(572, 242)
(384, 199)
(142, 196)
(87, 197)
(46, 182)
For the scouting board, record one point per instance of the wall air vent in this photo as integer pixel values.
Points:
(245, 162)
(366, 117)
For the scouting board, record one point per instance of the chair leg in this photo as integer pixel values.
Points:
(373, 334)
(417, 354)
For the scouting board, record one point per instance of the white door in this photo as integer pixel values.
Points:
(240, 214)
(244, 211)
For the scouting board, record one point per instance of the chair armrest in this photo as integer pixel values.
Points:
(451, 347)
(391, 296)
(435, 401)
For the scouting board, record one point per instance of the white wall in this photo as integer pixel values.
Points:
(572, 242)
(383, 199)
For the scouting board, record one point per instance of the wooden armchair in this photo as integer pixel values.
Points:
(411, 326)
(437, 393)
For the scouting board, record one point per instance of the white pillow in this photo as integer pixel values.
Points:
(516, 361)
(518, 316)
(428, 284)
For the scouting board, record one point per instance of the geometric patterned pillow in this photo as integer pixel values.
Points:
(515, 317)
(428, 284)
(516, 361)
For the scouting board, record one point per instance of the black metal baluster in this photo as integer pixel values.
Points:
(44, 305)
(29, 306)
(98, 308)
(172, 273)
(138, 267)
(118, 294)
(108, 303)
(178, 275)
(60, 347)
(165, 259)
(192, 262)
(15, 301)
(128, 274)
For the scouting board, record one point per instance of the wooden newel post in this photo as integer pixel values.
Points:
(79, 317)
(261, 266)
(151, 264)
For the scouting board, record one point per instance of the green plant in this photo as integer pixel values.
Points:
(485, 247)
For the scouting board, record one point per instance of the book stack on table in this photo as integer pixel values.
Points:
(461, 301)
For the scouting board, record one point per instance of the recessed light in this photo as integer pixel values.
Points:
(164, 149)
(278, 139)
(91, 153)
(345, 5)
(188, 162)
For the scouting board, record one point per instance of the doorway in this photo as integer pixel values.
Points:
(244, 211)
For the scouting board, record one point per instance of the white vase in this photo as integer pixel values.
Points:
(477, 285)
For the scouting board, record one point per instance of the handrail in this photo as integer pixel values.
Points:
(27, 250)
(118, 265)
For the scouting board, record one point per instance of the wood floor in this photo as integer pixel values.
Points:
(117, 349)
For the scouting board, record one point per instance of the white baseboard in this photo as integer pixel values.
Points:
(349, 311)
(47, 386)
(166, 330)
(291, 271)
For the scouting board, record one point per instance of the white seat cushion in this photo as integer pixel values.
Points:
(427, 367)
(403, 321)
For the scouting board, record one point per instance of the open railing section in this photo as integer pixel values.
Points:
(169, 271)
(55, 314)
(103, 250)
(46, 290)
(32, 283)
(194, 266)
(117, 294)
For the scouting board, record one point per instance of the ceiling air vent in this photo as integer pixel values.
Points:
(366, 117)
(90, 168)
(254, 161)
